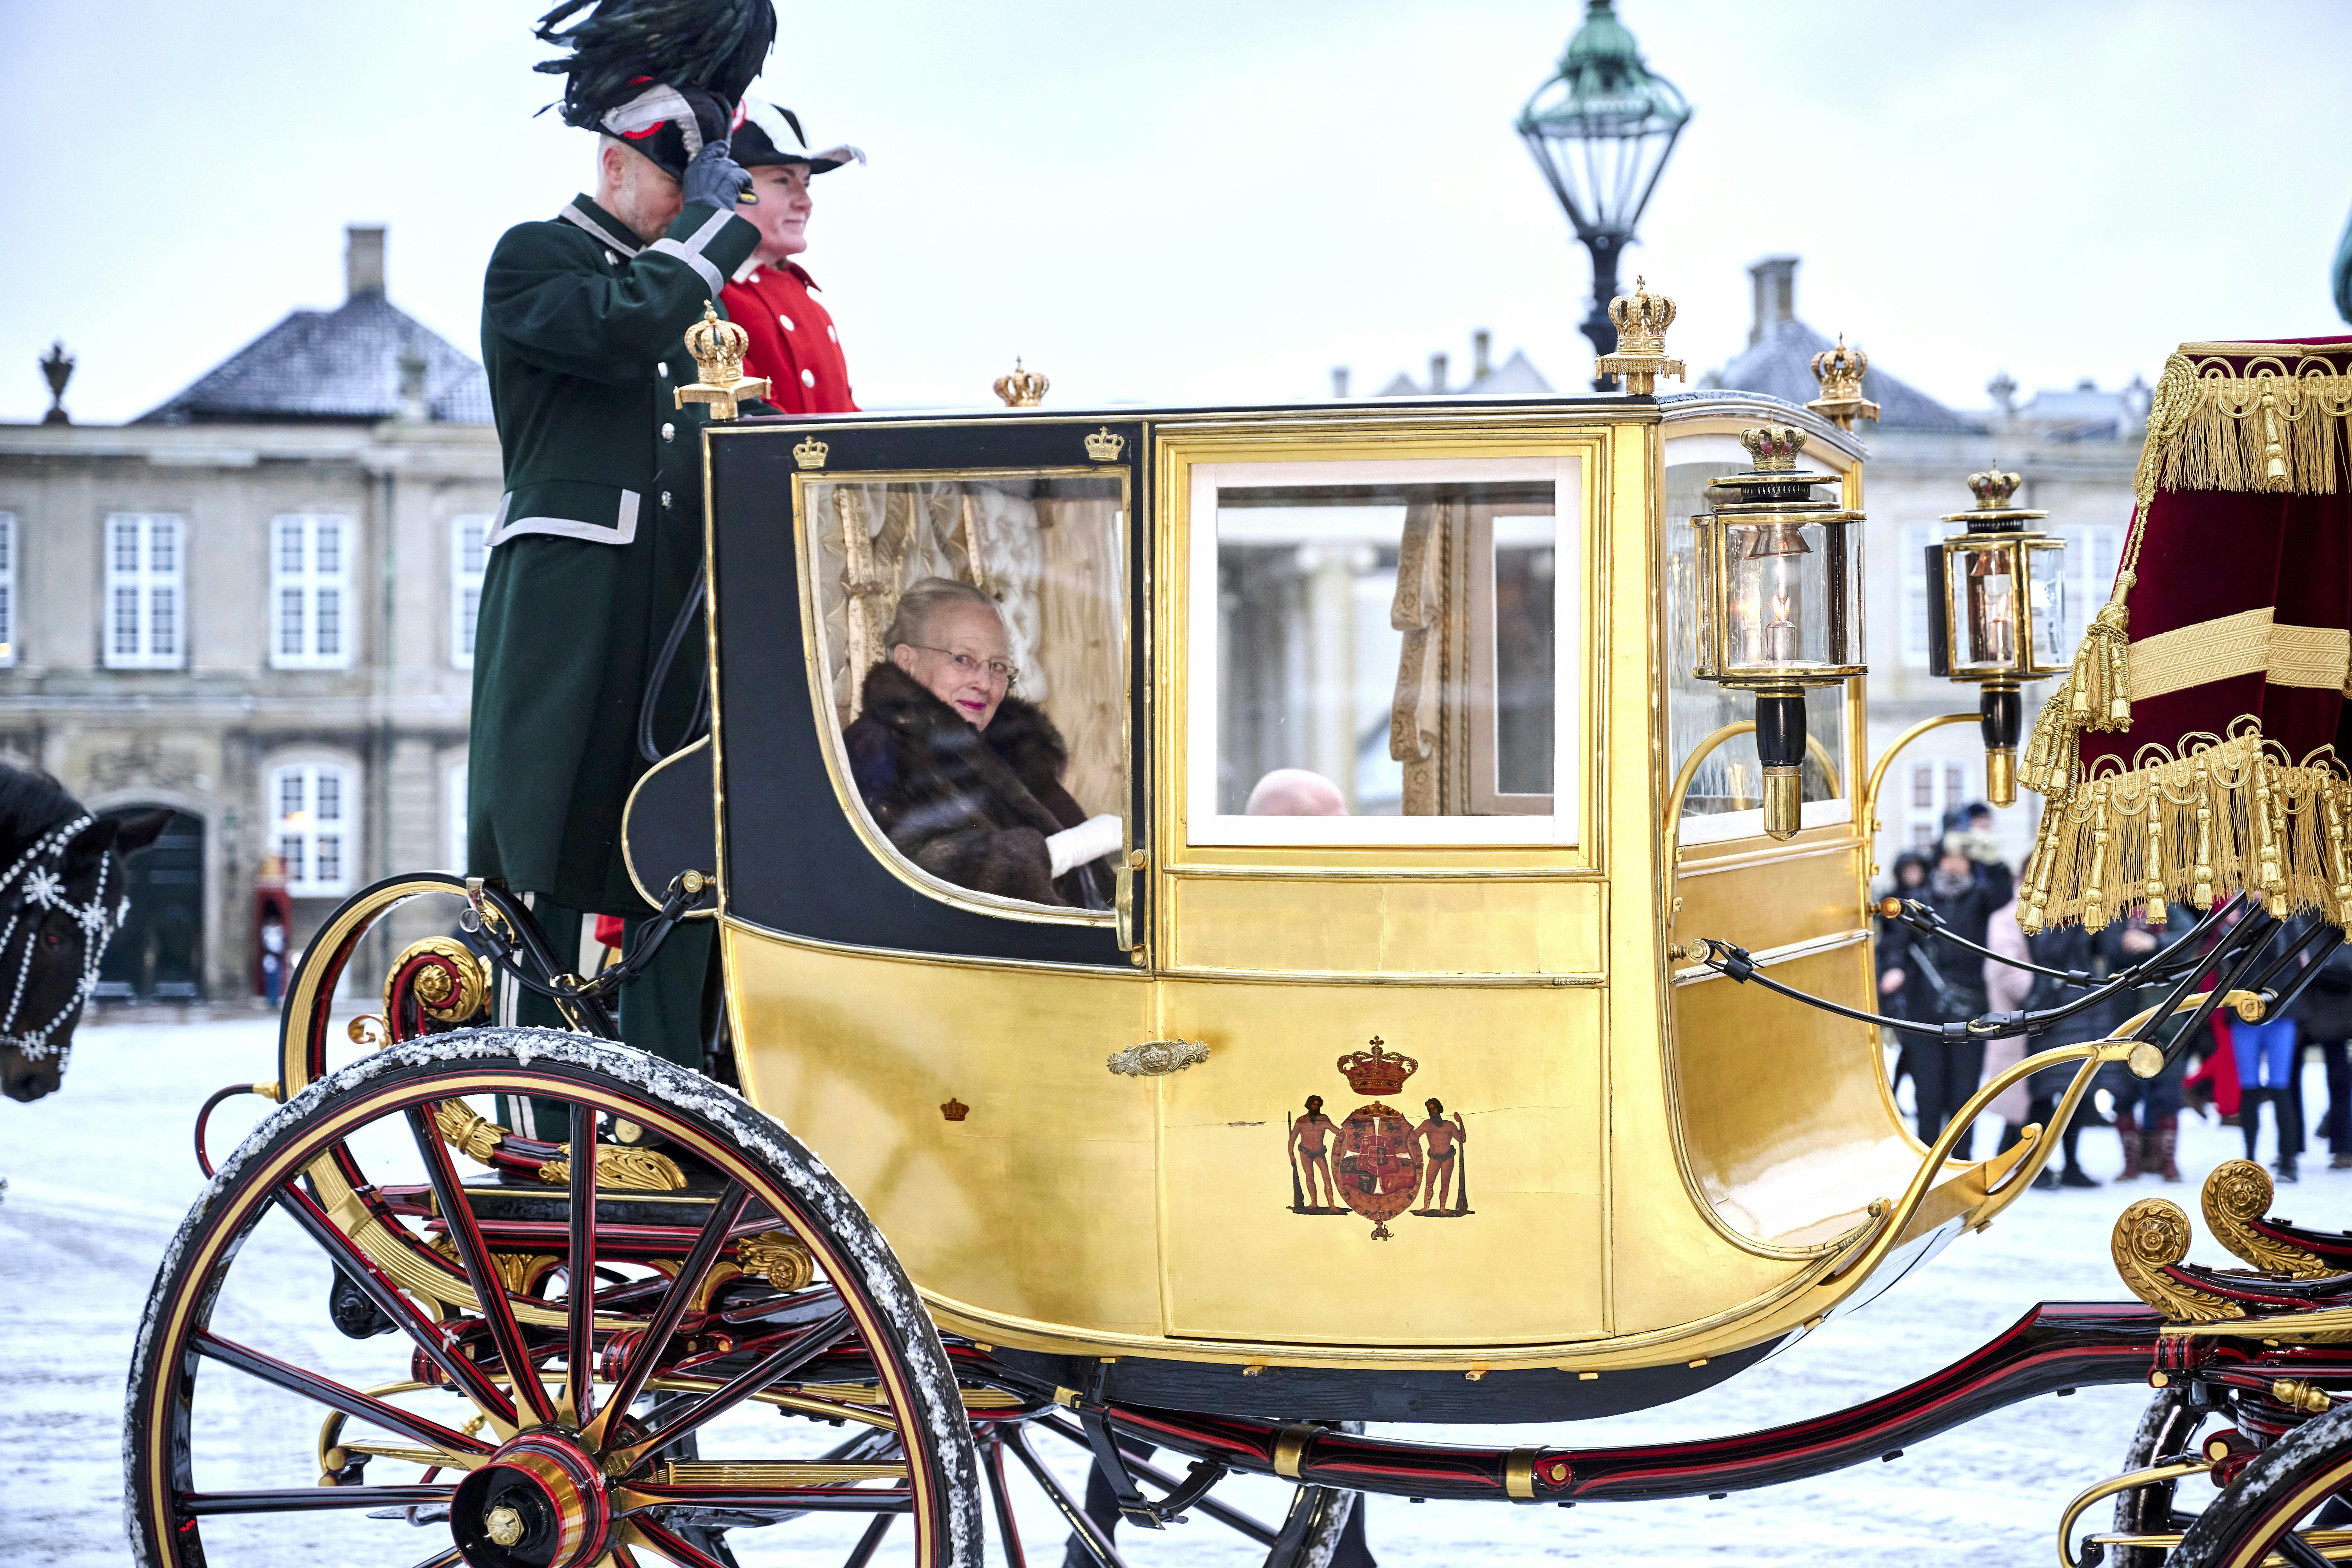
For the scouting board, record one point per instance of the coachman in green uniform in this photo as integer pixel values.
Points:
(599, 537)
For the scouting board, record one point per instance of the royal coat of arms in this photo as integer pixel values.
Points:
(1377, 1161)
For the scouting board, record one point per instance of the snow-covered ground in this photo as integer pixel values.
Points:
(100, 1175)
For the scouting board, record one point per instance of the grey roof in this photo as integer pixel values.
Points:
(1514, 376)
(1781, 366)
(340, 365)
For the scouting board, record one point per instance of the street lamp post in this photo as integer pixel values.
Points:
(1601, 129)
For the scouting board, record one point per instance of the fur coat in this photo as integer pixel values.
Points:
(972, 807)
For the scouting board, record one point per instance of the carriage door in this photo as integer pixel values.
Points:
(924, 688)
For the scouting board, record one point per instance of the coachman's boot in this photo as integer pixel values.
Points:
(2167, 1147)
(2127, 1130)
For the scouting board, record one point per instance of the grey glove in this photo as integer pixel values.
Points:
(716, 177)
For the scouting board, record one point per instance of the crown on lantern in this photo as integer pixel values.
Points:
(1641, 318)
(1840, 371)
(1022, 388)
(1774, 448)
(1104, 445)
(810, 453)
(1992, 489)
(1377, 1071)
(718, 349)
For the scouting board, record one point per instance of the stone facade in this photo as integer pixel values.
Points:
(210, 614)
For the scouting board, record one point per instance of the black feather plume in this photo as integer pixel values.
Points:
(716, 46)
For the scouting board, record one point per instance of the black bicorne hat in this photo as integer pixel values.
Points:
(770, 133)
(666, 74)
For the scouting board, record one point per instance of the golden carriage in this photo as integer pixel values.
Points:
(1620, 955)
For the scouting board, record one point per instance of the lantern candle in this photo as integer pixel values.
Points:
(2001, 635)
(1781, 634)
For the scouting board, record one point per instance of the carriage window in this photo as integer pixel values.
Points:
(1381, 652)
(1725, 799)
(974, 650)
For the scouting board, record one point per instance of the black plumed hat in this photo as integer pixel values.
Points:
(668, 75)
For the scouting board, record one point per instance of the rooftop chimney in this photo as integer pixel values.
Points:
(1436, 374)
(1775, 278)
(1340, 380)
(1481, 365)
(363, 259)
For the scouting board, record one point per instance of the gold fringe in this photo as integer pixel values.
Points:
(2094, 695)
(2225, 815)
(2270, 427)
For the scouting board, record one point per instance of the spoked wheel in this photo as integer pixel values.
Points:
(2270, 1513)
(1016, 1446)
(597, 1361)
(2166, 1427)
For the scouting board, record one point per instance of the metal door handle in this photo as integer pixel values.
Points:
(1157, 1058)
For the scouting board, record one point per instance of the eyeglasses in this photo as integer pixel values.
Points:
(966, 664)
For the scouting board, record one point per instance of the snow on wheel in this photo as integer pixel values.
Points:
(528, 1368)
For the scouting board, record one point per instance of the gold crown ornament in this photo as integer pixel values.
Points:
(1022, 388)
(1992, 489)
(1840, 371)
(718, 349)
(810, 453)
(1773, 449)
(1641, 318)
(1104, 446)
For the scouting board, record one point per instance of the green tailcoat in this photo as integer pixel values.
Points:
(596, 541)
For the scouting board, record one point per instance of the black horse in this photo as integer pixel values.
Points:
(61, 901)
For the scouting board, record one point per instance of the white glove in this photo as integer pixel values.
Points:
(1089, 841)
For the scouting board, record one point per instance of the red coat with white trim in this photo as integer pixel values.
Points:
(793, 341)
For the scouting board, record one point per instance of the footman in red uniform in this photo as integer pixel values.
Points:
(794, 343)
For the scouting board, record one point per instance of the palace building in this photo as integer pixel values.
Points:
(253, 606)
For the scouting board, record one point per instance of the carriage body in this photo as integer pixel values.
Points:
(1661, 1166)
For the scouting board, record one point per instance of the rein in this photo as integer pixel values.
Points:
(39, 883)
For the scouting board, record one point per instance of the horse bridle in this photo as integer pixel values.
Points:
(36, 884)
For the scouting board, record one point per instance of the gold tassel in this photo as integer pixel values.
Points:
(2039, 866)
(2266, 843)
(2094, 909)
(2159, 909)
(2201, 892)
(2213, 427)
(2332, 796)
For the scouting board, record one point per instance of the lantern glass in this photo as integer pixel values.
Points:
(2046, 640)
(1788, 601)
(1981, 577)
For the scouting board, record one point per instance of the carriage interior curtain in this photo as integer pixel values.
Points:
(2197, 747)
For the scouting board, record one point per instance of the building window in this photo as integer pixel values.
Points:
(7, 588)
(2102, 547)
(309, 592)
(310, 805)
(143, 591)
(469, 554)
(1916, 537)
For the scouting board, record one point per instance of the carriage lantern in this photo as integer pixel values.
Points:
(1998, 615)
(1779, 604)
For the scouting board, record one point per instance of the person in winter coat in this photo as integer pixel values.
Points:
(2009, 990)
(1966, 893)
(2147, 1110)
(964, 777)
(2325, 1012)
(1901, 983)
(2268, 1052)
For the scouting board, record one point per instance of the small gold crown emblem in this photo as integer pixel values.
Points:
(1774, 448)
(954, 1110)
(718, 349)
(810, 453)
(1641, 318)
(1022, 388)
(1840, 371)
(1992, 489)
(1103, 446)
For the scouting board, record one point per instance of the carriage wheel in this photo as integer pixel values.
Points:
(2273, 1506)
(588, 1365)
(1308, 1535)
(2167, 1426)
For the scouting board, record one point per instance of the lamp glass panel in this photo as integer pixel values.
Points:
(1981, 584)
(2046, 611)
(1790, 600)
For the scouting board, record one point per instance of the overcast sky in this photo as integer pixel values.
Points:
(1220, 200)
